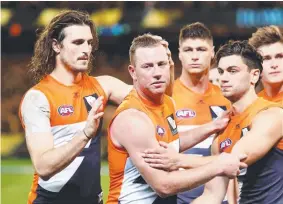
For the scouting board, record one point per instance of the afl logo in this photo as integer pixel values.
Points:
(160, 130)
(65, 110)
(226, 143)
(185, 113)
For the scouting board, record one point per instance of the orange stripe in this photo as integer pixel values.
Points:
(32, 194)
(116, 170)
(280, 144)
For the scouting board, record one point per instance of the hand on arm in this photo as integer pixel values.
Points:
(166, 158)
(134, 131)
(47, 159)
(196, 135)
(215, 189)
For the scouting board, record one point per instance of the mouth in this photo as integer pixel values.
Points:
(158, 82)
(195, 65)
(225, 87)
(274, 73)
(83, 58)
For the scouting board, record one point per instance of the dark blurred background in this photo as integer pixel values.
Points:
(118, 23)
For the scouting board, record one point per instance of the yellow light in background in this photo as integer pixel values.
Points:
(6, 15)
(160, 18)
(46, 16)
(107, 17)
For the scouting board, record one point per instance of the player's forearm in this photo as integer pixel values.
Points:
(56, 159)
(194, 136)
(188, 161)
(179, 181)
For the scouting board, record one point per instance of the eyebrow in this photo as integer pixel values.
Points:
(195, 47)
(230, 67)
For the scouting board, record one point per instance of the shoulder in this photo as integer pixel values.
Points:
(34, 97)
(268, 119)
(131, 118)
(274, 113)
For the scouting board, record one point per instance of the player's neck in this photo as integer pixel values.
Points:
(273, 90)
(195, 82)
(65, 75)
(244, 102)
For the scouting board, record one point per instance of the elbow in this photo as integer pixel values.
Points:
(43, 172)
(164, 189)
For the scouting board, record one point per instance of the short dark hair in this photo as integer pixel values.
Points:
(195, 30)
(243, 49)
(265, 36)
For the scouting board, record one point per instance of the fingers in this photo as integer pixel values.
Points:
(97, 104)
(242, 157)
(243, 165)
(153, 161)
(155, 151)
(98, 115)
(158, 166)
(163, 144)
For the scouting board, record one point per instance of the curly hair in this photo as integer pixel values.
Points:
(43, 60)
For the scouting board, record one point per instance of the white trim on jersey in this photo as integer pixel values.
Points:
(134, 192)
(204, 144)
(35, 112)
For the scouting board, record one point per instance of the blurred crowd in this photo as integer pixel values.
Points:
(16, 81)
(143, 5)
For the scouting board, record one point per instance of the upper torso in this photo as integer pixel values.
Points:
(261, 182)
(194, 109)
(126, 183)
(63, 111)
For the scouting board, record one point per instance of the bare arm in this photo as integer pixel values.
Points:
(194, 136)
(164, 157)
(47, 159)
(115, 89)
(266, 130)
(134, 131)
(215, 190)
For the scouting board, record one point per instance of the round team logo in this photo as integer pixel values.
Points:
(185, 113)
(160, 130)
(65, 110)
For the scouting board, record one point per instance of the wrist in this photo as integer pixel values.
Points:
(88, 137)
(217, 168)
(213, 127)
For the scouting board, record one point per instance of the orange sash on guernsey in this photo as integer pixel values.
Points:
(197, 109)
(240, 124)
(277, 99)
(65, 110)
(124, 184)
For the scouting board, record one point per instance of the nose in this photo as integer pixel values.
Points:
(274, 65)
(195, 56)
(157, 72)
(86, 48)
(223, 77)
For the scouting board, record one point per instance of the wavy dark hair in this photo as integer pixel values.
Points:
(43, 61)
